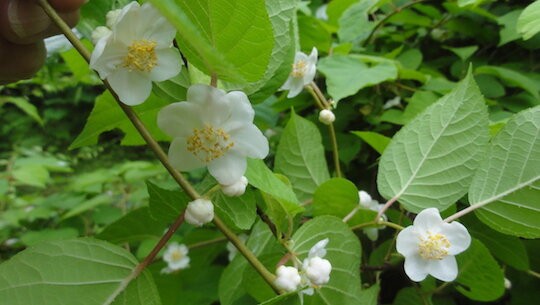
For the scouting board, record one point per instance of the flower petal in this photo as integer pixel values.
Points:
(296, 86)
(250, 141)
(179, 119)
(229, 168)
(242, 109)
(458, 236)
(415, 268)
(445, 269)
(181, 158)
(428, 220)
(107, 55)
(158, 29)
(132, 87)
(169, 64)
(213, 101)
(407, 242)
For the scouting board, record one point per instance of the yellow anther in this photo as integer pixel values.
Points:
(141, 56)
(177, 255)
(209, 143)
(299, 68)
(435, 246)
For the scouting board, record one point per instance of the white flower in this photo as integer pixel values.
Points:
(326, 117)
(396, 101)
(367, 202)
(317, 270)
(99, 33)
(176, 257)
(199, 212)
(429, 246)
(213, 129)
(236, 189)
(319, 249)
(138, 52)
(321, 12)
(287, 278)
(232, 249)
(507, 284)
(303, 72)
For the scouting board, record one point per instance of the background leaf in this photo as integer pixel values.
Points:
(528, 23)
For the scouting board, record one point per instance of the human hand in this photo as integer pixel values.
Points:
(23, 26)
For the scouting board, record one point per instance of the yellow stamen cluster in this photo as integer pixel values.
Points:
(141, 56)
(177, 255)
(435, 246)
(209, 143)
(299, 68)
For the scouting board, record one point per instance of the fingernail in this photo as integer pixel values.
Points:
(27, 20)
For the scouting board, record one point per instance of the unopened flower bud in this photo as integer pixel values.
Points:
(199, 212)
(112, 17)
(287, 278)
(326, 117)
(100, 32)
(365, 198)
(236, 189)
(507, 283)
(318, 270)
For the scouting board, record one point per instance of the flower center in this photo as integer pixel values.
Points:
(435, 246)
(299, 68)
(209, 143)
(141, 56)
(177, 255)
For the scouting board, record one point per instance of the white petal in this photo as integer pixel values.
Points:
(158, 28)
(179, 264)
(181, 158)
(288, 83)
(212, 100)
(128, 24)
(179, 119)
(407, 242)
(428, 220)
(229, 168)
(415, 268)
(169, 64)
(458, 236)
(250, 142)
(242, 109)
(312, 58)
(445, 269)
(107, 56)
(132, 87)
(297, 84)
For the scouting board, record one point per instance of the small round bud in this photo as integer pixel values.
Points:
(507, 283)
(112, 17)
(236, 189)
(318, 270)
(326, 117)
(100, 32)
(287, 278)
(199, 212)
(365, 198)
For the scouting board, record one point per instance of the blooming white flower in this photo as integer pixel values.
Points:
(137, 52)
(236, 189)
(303, 72)
(327, 117)
(287, 278)
(232, 249)
(429, 246)
(367, 202)
(213, 129)
(176, 257)
(199, 212)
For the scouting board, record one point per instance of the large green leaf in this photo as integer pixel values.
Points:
(73, 272)
(508, 180)
(166, 205)
(136, 225)
(300, 156)
(528, 23)
(223, 37)
(354, 24)
(431, 161)
(375, 140)
(238, 212)
(480, 278)
(347, 74)
(107, 116)
(24, 105)
(511, 78)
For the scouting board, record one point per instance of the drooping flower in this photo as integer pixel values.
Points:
(316, 268)
(303, 72)
(199, 212)
(215, 129)
(287, 278)
(176, 257)
(327, 117)
(236, 189)
(367, 202)
(429, 246)
(137, 52)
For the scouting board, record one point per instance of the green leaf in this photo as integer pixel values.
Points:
(354, 24)
(107, 116)
(480, 278)
(31, 238)
(344, 253)
(313, 33)
(136, 225)
(408, 296)
(411, 59)
(261, 177)
(463, 52)
(223, 37)
(430, 162)
(165, 204)
(88, 205)
(239, 212)
(375, 140)
(32, 174)
(508, 30)
(511, 78)
(68, 272)
(336, 197)
(347, 74)
(25, 106)
(528, 23)
(508, 180)
(300, 156)
(418, 103)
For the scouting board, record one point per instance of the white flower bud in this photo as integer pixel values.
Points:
(317, 270)
(365, 198)
(112, 17)
(236, 189)
(326, 117)
(287, 278)
(100, 32)
(199, 212)
(507, 283)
